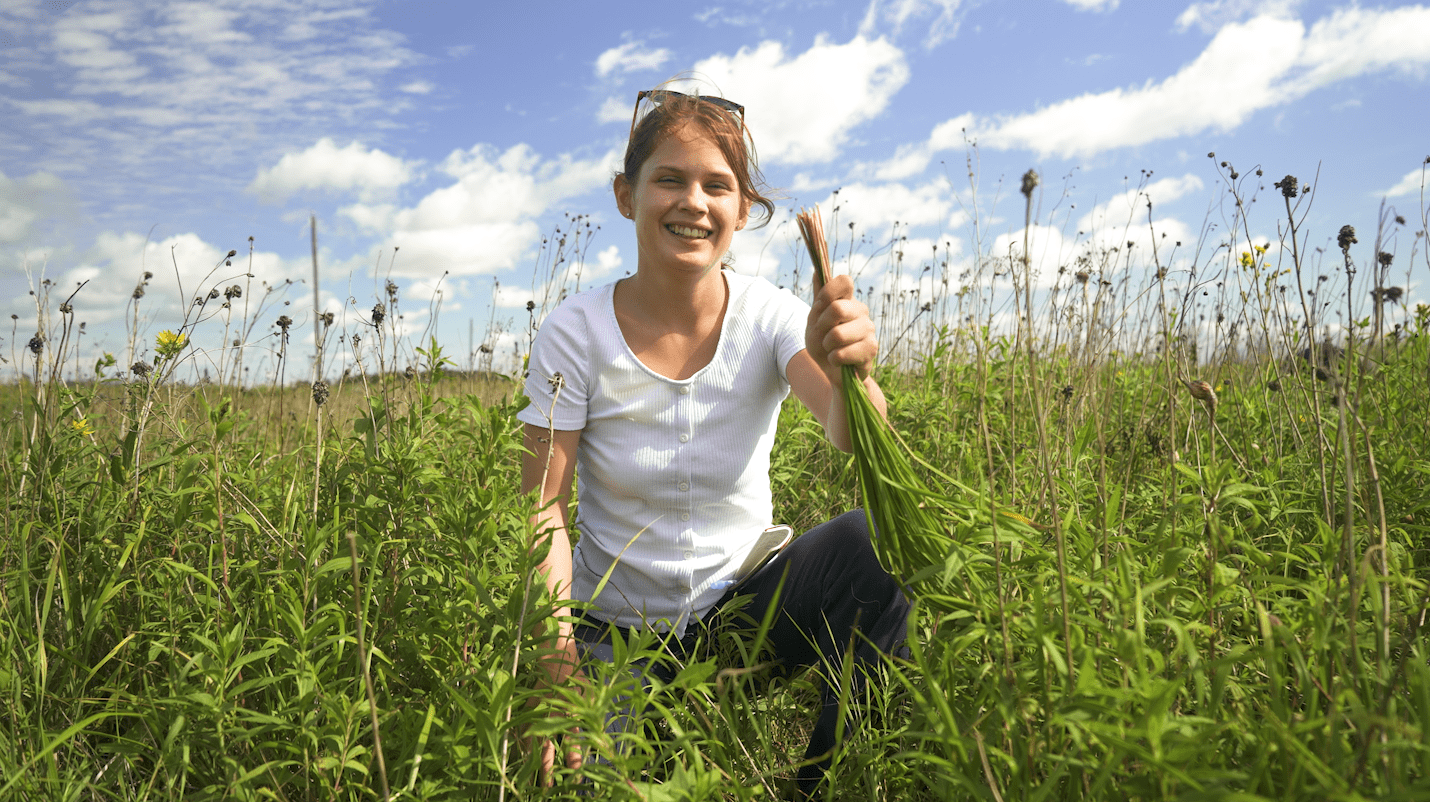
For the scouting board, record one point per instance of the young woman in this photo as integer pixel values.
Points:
(664, 388)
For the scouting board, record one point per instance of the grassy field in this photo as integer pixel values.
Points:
(214, 592)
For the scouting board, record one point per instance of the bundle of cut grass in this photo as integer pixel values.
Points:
(904, 515)
(913, 526)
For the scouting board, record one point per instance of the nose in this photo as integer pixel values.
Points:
(694, 197)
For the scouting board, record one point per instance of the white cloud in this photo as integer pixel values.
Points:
(1129, 209)
(1412, 184)
(802, 110)
(876, 209)
(1265, 62)
(1211, 15)
(187, 97)
(325, 166)
(615, 110)
(486, 220)
(27, 203)
(898, 13)
(115, 264)
(1355, 41)
(632, 56)
(417, 87)
(1093, 5)
(1234, 77)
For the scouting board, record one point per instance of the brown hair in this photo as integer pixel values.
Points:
(728, 131)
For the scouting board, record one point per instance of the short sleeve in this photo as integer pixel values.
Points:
(558, 374)
(789, 315)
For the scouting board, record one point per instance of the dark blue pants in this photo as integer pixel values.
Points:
(828, 590)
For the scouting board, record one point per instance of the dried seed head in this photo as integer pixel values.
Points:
(378, 313)
(148, 275)
(391, 290)
(320, 392)
(37, 344)
(357, 340)
(141, 369)
(233, 291)
(1030, 183)
(1082, 276)
(1384, 258)
(410, 373)
(1203, 392)
(138, 292)
(1346, 238)
(284, 322)
(213, 293)
(65, 308)
(1288, 186)
(327, 318)
(531, 306)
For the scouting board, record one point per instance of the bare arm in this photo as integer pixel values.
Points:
(550, 466)
(837, 333)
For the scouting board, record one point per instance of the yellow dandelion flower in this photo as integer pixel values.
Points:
(169, 343)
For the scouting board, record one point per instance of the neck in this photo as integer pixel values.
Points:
(677, 301)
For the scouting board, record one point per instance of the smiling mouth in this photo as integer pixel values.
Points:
(687, 232)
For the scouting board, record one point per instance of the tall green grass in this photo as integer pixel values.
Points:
(207, 593)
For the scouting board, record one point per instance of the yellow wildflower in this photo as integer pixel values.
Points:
(169, 343)
(81, 425)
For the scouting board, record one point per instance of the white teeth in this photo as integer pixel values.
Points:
(685, 231)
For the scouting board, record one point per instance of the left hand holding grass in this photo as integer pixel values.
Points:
(839, 331)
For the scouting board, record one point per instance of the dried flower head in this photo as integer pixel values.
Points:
(66, 309)
(213, 293)
(410, 373)
(1346, 238)
(1082, 276)
(1288, 186)
(320, 392)
(284, 322)
(233, 291)
(1384, 258)
(1030, 183)
(37, 344)
(141, 369)
(378, 313)
(327, 318)
(1203, 392)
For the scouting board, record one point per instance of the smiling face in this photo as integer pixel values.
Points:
(685, 202)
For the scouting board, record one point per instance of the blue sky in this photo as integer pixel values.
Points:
(159, 135)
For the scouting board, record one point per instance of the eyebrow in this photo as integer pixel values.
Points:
(672, 168)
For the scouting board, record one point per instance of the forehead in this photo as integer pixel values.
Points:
(690, 149)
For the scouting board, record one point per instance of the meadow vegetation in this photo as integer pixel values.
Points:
(251, 590)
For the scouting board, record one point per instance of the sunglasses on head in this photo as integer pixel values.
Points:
(659, 96)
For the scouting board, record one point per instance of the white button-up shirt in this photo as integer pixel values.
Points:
(673, 481)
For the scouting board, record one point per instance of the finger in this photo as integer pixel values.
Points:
(575, 754)
(548, 761)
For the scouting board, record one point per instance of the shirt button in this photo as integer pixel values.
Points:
(685, 438)
(685, 391)
(685, 516)
(689, 555)
(684, 486)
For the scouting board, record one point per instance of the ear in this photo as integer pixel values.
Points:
(744, 215)
(622, 189)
